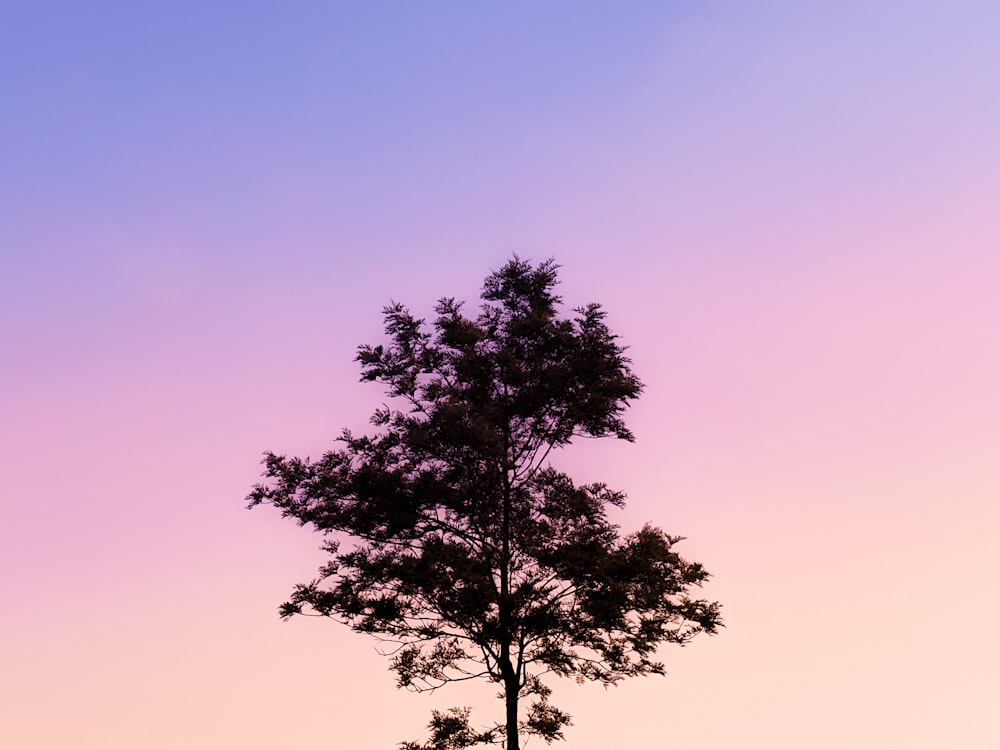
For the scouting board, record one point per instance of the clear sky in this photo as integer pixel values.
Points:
(789, 209)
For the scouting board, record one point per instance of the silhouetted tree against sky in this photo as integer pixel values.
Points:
(452, 537)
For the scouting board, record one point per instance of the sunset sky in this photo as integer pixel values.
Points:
(790, 211)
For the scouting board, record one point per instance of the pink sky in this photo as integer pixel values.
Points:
(790, 213)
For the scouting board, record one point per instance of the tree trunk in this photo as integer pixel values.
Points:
(511, 691)
(511, 678)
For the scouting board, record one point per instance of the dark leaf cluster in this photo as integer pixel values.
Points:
(469, 554)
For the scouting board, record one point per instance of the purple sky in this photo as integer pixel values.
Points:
(789, 210)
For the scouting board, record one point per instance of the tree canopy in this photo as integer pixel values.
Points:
(452, 536)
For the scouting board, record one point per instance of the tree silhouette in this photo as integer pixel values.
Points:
(451, 535)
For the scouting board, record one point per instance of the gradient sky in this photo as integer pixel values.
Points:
(789, 209)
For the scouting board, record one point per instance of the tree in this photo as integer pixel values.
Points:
(465, 548)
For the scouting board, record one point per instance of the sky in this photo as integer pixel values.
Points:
(788, 210)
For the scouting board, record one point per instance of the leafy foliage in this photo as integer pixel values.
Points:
(467, 550)
(451, 731)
